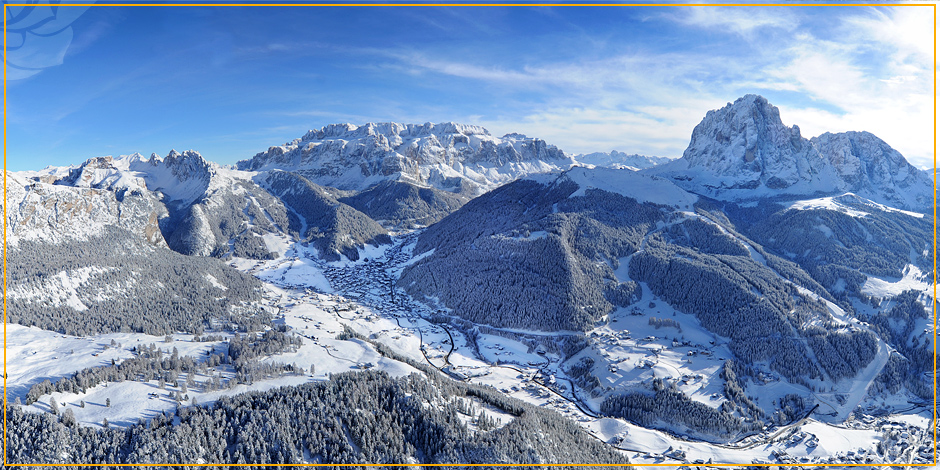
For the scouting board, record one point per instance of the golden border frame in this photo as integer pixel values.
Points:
(935, 424)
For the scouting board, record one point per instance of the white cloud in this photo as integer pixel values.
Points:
(742, 21)
(907, 30)
(619, 79)
(650, 130)
(878, 75)
(638, 103)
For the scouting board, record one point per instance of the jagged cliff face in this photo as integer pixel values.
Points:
(40, 209)
(182, 202)
(448, 156)
(180, 177)
(869, 167)
(744, 151)
(748, 142)
(212, 211)
(60, 204)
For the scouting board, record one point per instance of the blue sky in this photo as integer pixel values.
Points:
(232, 81)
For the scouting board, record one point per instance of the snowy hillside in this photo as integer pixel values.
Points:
(643, 188)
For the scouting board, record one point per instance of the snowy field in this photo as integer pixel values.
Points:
(913, 279)
(34, 355)
(838, 204)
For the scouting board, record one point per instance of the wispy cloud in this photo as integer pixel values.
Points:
(742, 21)
(651, 131)
(639, 102)
(906, 32)
(878, 74)
(642, 74)
(870, 72)
(634, 79)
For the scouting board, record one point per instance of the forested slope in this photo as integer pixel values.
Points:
(116, 283)
(353, 418)
(528, 256)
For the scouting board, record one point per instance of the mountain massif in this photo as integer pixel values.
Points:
(743, 151)
(451, 157)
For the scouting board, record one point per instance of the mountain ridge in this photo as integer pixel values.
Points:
(621, 160)
(445, 156)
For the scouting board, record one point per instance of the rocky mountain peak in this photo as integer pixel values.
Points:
(748, 142)
(744, 151)
(873, 169)
(857, 155)
(96, 172)
(104, 162)
(187, 165)
(391, 130)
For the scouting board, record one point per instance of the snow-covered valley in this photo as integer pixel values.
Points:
(317, 300)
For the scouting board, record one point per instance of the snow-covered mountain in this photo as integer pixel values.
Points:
(529, 254)
(744, 151)
(56, 205)
(870, 168)
(598, 249)
(446, 156)
(182, 201)
(615, 159)
(180, 177)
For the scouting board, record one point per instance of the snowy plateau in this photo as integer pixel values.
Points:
(398, 293)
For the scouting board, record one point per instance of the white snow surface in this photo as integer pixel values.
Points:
(913, 279)
(34, 354)
(619, 160)
(642, 187)
(847, 203)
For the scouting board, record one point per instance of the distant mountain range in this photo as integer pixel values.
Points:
(376, 177)
(620, 160)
